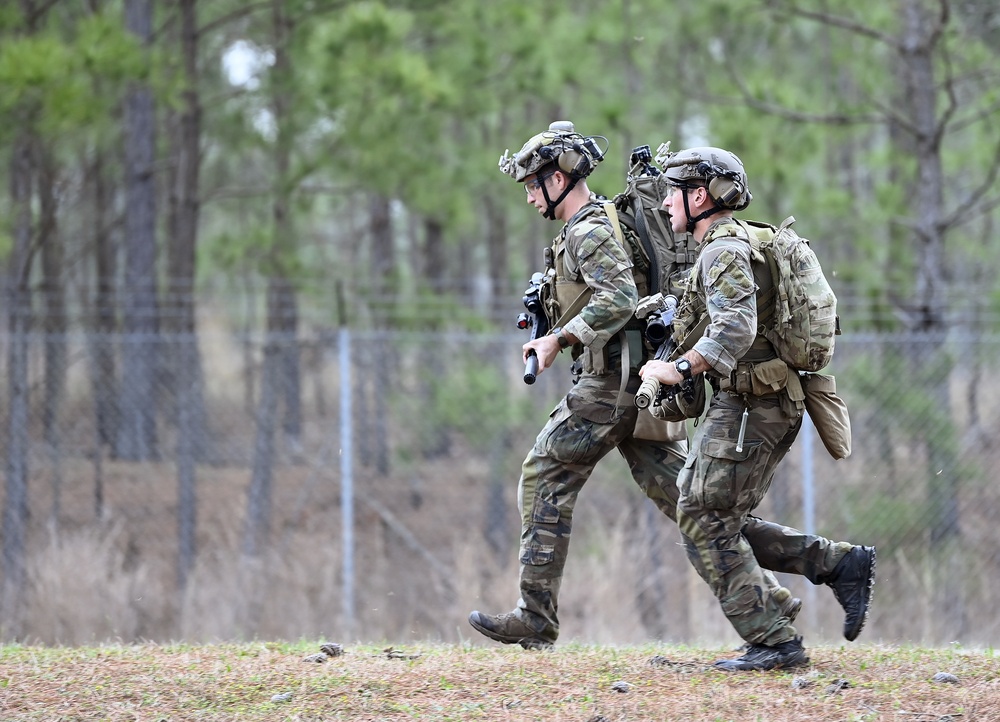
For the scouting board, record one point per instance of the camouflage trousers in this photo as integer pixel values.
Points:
(720, 484)
(584, 428)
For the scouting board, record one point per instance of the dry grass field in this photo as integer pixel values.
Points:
(268, 681)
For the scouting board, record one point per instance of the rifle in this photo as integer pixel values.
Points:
(535, 319)
(659, 313)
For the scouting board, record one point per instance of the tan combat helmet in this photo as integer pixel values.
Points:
(720, 171)
(560, 147)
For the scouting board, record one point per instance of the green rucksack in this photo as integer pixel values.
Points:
(664, 255)
(797, 313)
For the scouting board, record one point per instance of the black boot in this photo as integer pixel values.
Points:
(852, 582)
(761, 657)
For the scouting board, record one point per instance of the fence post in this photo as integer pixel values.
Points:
(808, 502)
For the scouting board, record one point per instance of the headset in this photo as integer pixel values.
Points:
(723, 185)
(578, 157)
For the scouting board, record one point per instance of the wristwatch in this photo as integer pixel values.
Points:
(557, 332)
(683, 367)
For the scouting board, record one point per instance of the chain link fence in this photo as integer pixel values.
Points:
(362, 485)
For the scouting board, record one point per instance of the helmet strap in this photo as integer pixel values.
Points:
(551, 205)
(692, 222)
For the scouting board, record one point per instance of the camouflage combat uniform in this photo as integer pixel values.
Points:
(723, 480)
(590, 421)
(593, 419)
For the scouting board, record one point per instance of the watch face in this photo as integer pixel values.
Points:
(683, 366)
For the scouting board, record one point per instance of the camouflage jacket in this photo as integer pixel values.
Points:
(587, 252)
(721, 285)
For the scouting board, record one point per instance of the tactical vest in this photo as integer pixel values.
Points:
(691, 318)
(567, 293)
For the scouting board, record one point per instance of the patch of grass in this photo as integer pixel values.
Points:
(264, 681)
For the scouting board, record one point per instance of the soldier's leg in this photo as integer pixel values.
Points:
(790, 551)
(655, 467)
(553, 473)
(720, 484)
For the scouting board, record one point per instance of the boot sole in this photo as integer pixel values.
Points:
(733, 665)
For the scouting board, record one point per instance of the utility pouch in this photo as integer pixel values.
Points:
(649, 428)
(768, 377)
(828, 413)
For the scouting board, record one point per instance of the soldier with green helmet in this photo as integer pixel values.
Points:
(754, 416)
(593, 285)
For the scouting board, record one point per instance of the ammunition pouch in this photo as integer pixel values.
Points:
(608, 359)
(828, 413)
(763, 378)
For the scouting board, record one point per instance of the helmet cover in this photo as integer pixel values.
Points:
(560, 145)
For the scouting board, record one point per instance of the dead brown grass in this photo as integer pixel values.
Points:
(262, 681)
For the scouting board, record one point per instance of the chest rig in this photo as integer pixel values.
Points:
(567, 293)
(692, 317)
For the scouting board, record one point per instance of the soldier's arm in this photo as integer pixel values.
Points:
(606, 268)
(730, 291)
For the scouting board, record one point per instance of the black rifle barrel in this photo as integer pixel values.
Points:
(531, 368)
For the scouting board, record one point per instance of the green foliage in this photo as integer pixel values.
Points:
(416, 99)
(65, 84)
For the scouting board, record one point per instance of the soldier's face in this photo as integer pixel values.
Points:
(673, 204)
(533, 188)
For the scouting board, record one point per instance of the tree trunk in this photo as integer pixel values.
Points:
(383, 264)
(104, 378)
(922, 28)
(18, 306)
(187, 374)
(258, 517)
(54, 323)
(286, 309)
(435, 440)
(499, 511)
(137, 431)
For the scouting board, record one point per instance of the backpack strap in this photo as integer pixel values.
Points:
(697, 331)
(626, 360)
(584, 296)
(767, 299)
(642, 230)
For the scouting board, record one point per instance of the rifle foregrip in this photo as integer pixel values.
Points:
(648, 391)
(531, 368)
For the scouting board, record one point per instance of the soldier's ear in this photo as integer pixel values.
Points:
(697, 195)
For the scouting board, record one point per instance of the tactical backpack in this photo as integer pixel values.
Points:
(660, 257)
(664, 256)
(798, 313)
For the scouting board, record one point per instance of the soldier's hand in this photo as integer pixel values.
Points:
(663, 371)
(546, 348)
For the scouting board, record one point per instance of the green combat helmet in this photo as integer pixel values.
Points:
(562, 148)
(717, 170)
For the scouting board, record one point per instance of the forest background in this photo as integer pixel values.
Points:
(260, 276)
